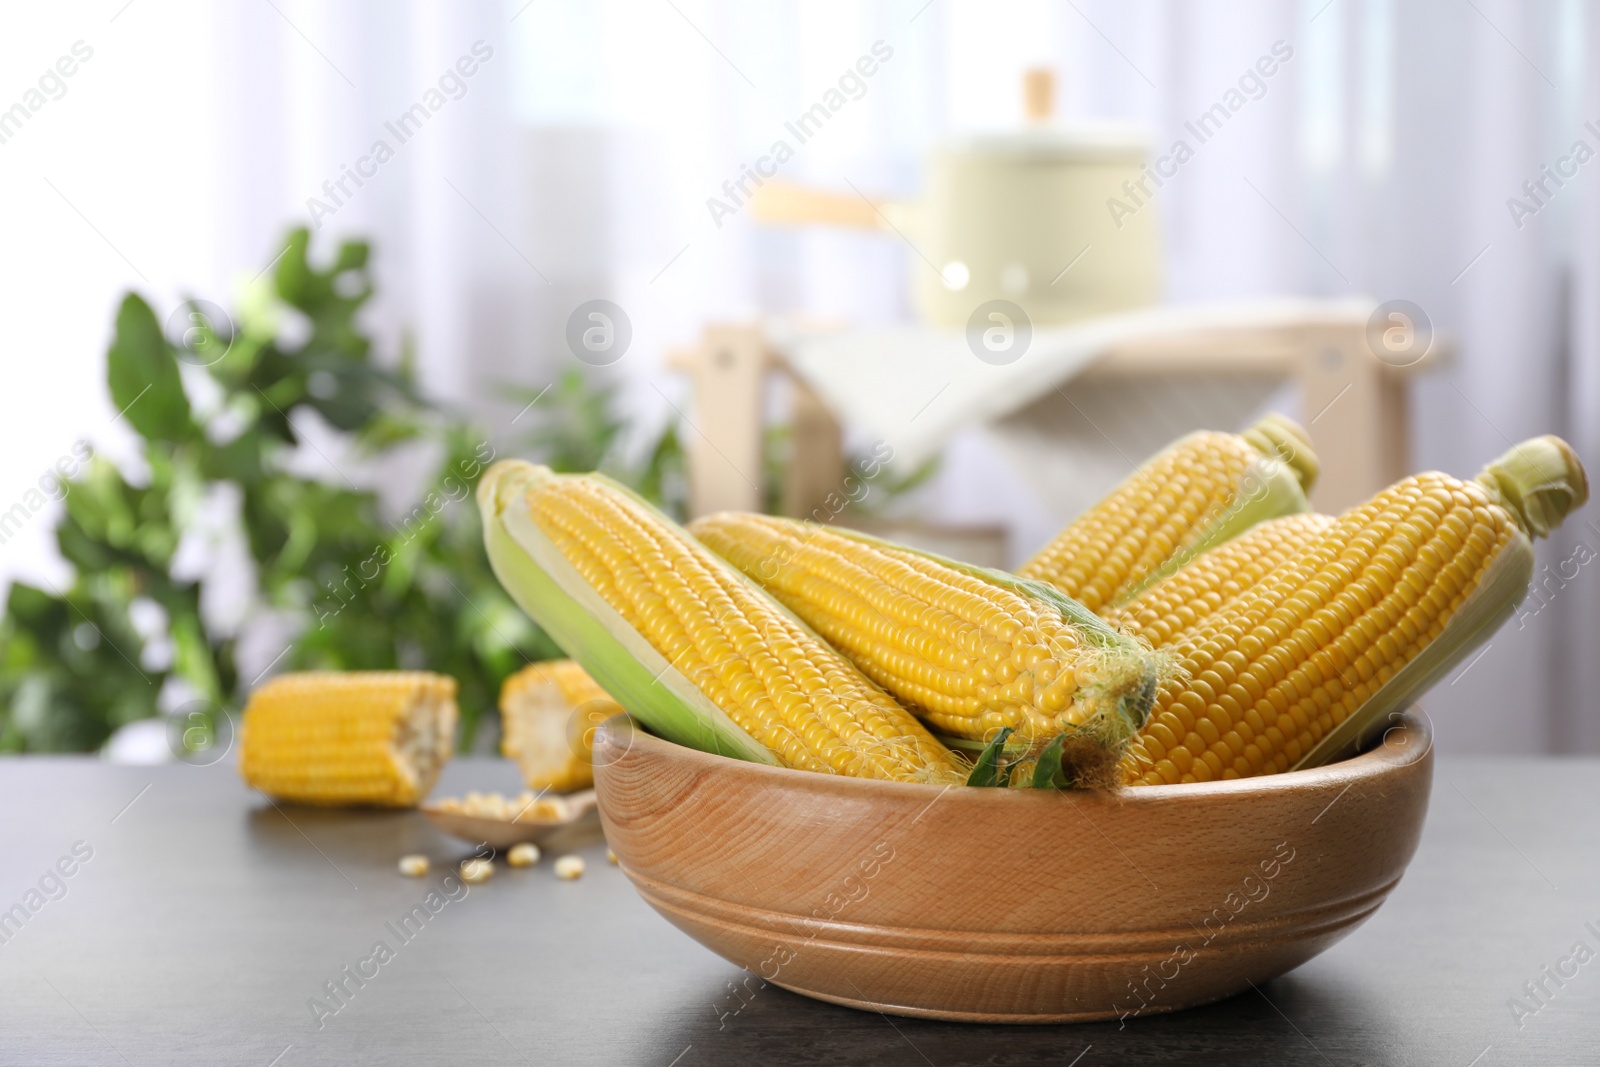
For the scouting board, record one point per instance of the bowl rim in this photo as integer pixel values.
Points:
(1381, 759)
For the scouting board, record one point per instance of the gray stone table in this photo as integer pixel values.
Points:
(199, 923)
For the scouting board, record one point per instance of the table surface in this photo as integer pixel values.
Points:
(205, 920)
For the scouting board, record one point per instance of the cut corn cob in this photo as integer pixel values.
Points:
(971, 651)
(548, 715)
(689, 645)
(358, 737)
(1166, 609)
(1307, 666)
(1197, 493)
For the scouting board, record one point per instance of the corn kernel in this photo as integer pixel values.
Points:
(569, 867)
(475, 871)
(524, 808)
(611, 857)
(525, 854)
(414, 866)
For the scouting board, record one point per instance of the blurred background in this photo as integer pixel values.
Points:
(468, 177)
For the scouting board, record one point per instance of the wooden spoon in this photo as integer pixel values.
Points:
(503, 833)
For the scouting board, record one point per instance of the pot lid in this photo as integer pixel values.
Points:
(1074, 141)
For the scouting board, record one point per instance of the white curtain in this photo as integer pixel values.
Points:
(576, 161)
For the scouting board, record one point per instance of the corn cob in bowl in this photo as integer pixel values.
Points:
(688, 645)
(1197, 493)
(1304, 663)
(358, 737)
(972, 651)
(1171, 605)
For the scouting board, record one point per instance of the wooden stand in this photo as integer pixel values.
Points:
(729, 369)
(1354, 404)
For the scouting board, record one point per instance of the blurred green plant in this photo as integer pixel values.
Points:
(576, 426)
(220, 413)
(225, 406)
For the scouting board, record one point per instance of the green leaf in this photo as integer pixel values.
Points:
(192, 656)
(143, 374)
(353, 255)
(376, 591)
(990, 768)
(294, 277)
(1047, 772)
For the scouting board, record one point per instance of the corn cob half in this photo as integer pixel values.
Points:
(690, 646)
(548, 712)
(971, 651)
(357, 737)
(1198, 492)
(1308, 665)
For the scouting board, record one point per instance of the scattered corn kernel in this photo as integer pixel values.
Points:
(611, 857)
(523, 855)
(414, 866)
(475, 871)
(569, 867)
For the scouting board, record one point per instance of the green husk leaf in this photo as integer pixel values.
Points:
(1047, 770)
(539, 578)
(990, 771)
(1540, 481)
(1281, 437)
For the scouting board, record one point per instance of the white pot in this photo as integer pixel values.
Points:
(1028, 218)
(1058, 220)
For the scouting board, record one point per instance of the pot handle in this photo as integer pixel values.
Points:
(1039, 95)
(787, 204)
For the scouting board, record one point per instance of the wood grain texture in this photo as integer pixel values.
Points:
(1011, 906)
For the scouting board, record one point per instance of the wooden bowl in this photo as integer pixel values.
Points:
(1015, 906)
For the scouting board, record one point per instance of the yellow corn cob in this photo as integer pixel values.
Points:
(1198, 492)
(970, 655)
(1166, 609)
(1310, 662)
(548, 712)
(361, 737)
(693, 647)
